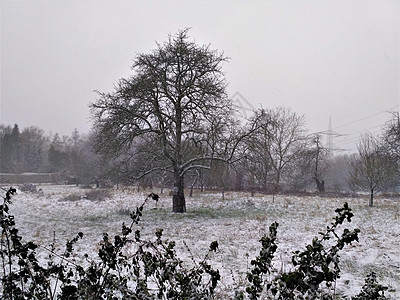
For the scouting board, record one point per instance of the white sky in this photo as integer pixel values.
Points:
(321, 58)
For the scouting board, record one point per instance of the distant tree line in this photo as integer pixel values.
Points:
(268, 160)
(31, 151)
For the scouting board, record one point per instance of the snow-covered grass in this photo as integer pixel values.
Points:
(237, 223)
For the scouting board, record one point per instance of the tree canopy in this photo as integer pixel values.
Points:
(173, 112)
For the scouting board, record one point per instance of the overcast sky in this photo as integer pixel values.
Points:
(323, 59)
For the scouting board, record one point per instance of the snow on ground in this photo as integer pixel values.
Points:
(237, 223)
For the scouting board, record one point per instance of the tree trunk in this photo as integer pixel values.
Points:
(192, 186)
(201, 181)
(371, 197)
(191, 191)
(320, 185)
(278, 178)
(178, 197)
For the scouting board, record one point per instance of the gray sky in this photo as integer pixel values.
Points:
(337, 59)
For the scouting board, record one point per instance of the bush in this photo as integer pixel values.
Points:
(152, 270)
(130, 267)
(315, 270)
(93, 195)
(98, 194)
(28, 187)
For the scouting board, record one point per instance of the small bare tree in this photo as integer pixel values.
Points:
(320, 162)
(277, 142)
(391, 139)
(391, 136)
(258, 164)
(287, 139)
(373, 169)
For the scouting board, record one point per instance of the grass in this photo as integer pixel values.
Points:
(238, 222)
(383, 273)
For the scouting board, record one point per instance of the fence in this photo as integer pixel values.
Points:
(29, 178)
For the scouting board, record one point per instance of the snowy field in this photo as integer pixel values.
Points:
(237, 223)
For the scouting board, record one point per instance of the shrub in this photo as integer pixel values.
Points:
(152, 270)
(371, 289)
(28, 187)
(93, 195)
(98, 194)
(315, 269)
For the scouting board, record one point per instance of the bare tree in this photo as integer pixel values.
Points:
(373, 169)
(221, 176)
(320, 157)
(391, 135)
(278, 141)
(176, 102)
(287, 139)
(258, 164)
(391, 139)
(298, 174)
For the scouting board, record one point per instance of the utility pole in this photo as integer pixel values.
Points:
(331, 134)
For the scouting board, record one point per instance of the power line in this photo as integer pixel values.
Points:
(354, 139)
(350, 138)
(367, 117)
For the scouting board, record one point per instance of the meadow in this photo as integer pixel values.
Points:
(237, 222)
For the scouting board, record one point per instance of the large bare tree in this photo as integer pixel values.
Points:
(176, 104)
